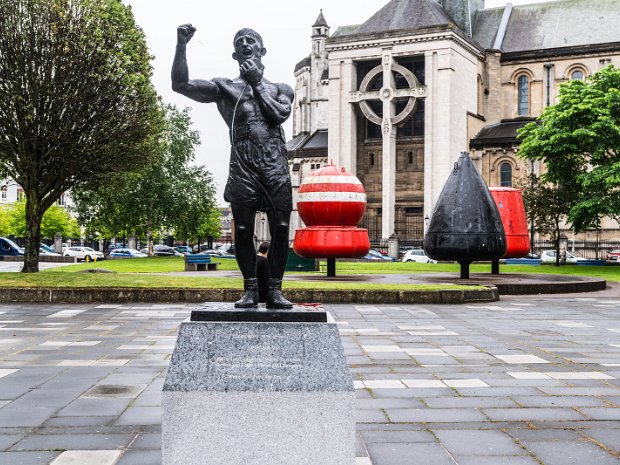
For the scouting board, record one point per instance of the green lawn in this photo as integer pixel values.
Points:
(142, 265)
(175, 264)
(148, 273)
(611, 273)
(63, 279)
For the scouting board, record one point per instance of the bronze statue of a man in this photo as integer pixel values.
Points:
(254, 109)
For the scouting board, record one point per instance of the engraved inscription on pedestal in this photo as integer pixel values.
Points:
(257, 357)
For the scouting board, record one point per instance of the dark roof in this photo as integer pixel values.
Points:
(562, 23)
(305, 142)
(405, 14)
(296, 141)
(303, 64)
(320, 21)
(346, 30)
(503, 133)
(317, 141)
(486, 26)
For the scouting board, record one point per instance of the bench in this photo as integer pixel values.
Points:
(199, 262)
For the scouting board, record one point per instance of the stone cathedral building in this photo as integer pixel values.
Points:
(397, 98)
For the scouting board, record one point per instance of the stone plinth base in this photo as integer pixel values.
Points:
(258, 393)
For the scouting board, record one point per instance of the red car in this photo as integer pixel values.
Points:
(613, 255)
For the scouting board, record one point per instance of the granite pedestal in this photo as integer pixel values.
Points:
(258, 392)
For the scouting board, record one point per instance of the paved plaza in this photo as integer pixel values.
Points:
(524, 381)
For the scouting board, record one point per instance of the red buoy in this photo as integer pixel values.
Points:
(331, 202)
(509, 202)
(331, 196)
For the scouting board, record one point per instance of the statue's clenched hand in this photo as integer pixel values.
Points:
(252, 71)
(185, 32)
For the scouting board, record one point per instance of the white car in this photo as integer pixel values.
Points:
(418, 256)
(83, 253)
(548, 256)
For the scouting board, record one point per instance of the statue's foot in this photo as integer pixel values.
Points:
(250, 298)
(275, 299)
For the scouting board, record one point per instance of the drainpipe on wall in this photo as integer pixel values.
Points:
(548, 67)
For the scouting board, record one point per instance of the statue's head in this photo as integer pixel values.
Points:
(248, 45)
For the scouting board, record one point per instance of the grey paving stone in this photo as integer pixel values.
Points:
(496, 460)
(517, 330)
(370, 416)
(7, 440)
(387, 403)
(74, 442)
(434, 415)
(408, 454)
(94, 407)
(80, 421)
(558, 401)
(570, 453)
(27, 458)
(140, 416)
(140, 457)
(373, 437)
(469, 402)
(147, 441)
(20, 415)
(476, 442)
(544, 435)
(532, 414)
(602, 413)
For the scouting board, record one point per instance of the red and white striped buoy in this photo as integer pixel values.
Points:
(331, 196)
(331, 202)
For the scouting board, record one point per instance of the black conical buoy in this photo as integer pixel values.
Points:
(465, 225)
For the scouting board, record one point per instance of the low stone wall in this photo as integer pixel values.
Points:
(90, 295)
(42, 258)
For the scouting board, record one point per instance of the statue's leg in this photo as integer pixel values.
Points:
(245, 253)
(278, 256)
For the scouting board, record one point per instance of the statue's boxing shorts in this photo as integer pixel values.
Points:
(259, 175)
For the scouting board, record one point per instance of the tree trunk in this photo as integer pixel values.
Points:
(149, 235)
(33, 234)
(556, 244)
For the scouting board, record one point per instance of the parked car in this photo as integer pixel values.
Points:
(548, 256)
(217, 253)
(83, 253)
(47, 248)
(162, 251)
(417, 256)
(8, 247)
(613, 255)
(47, 253)
(183, 249)
(375, 255)
(123, 252)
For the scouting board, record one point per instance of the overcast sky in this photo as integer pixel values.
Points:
(285, 26)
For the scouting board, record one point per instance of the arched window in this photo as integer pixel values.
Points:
(523, 92)
(371, 159)
(577, 75)
(505, 175)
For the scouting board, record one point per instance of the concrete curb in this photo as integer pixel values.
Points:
(122, 295)
(591, 285)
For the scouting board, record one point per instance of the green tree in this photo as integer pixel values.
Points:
(169, 195)
(578, 139)
(546, 205)
(5, 225)
(76, 102)
(55, 220)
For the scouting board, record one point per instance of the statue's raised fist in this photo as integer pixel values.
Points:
(185, 32)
